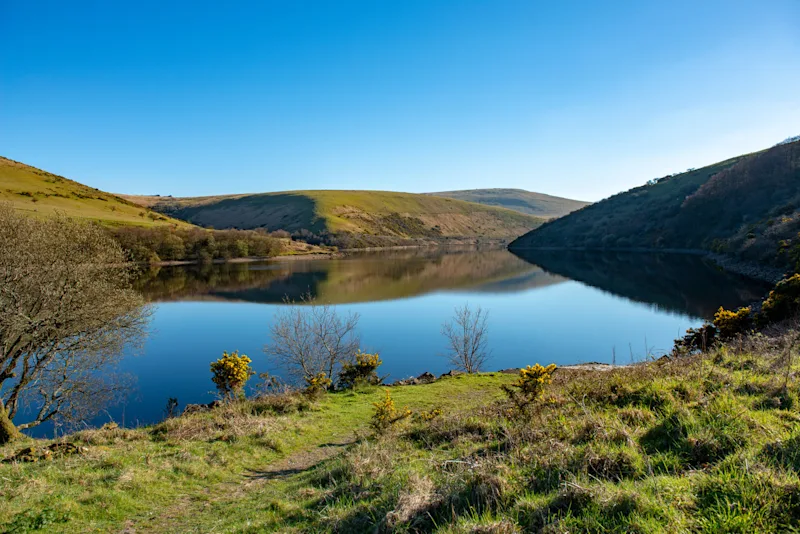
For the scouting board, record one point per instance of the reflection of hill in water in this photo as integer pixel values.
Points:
(357, 278)
(681, 283)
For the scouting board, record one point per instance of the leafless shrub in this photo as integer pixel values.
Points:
(467, 338)
(68, 310)
(309, 338)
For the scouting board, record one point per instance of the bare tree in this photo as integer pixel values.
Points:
(309, 338)
(467, 338)
(66, 312)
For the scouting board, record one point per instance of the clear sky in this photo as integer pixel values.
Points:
(573, 98)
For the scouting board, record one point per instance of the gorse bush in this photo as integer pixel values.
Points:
(317, 384)
(363, 370)
(783, 301)
(530, 384)
(428, 415)
(231, 373)
(386, 414)
(732, 323)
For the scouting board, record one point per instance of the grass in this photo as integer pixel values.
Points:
(41, 193)
(707, 443)
(371, 213)
(159, 476)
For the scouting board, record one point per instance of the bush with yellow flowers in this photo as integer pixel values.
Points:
(732, 323)
(386, 414)
(783, 301)
(317, 384)
(427, 415)
(363, 370)
(231, 373)
(530, 384)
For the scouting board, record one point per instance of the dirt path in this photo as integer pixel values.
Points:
(171, 519)
(297, 462)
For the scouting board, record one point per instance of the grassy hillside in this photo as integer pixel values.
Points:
(35, 191)
(360, 213)
(748, 207)
(537, 204)
(707, 443)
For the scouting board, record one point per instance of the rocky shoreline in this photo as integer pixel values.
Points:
(747, 268)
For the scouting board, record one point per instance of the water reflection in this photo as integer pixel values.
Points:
(365, 277)
(677, 283)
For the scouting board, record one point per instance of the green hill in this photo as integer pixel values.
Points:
(368, 217)
(39, 192)
(748, 207)
(537, 204)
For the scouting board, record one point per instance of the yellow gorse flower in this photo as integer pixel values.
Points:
(231, 372)
(386, 414)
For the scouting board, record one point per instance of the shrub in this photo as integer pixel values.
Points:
(731, 323)
(386, 414)
(317, 384)
(530, 385)
(361, 371)
(696, 340)
(231, 372)
(428, 415)
(783, 301)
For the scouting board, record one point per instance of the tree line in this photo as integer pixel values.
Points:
(151, 245)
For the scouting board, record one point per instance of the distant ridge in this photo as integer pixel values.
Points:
(520, 200)
(368, 218)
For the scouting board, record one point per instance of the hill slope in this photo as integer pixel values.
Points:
(371, 214)
(537, 204)
(747, 206)
(36, 191)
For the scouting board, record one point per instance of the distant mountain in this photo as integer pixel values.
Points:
(354, 218)
(748, 207)
(35, 191)
(537, 204)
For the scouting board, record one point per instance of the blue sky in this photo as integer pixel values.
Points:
(574, 98)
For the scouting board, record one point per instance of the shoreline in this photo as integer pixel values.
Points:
(341, 253)
(727, 263)
(249, 259)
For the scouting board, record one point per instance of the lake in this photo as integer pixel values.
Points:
(546, 307)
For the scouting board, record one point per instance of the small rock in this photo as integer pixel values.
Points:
(66, 449)
(425, 378)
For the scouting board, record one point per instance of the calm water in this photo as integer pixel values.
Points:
(545, 307)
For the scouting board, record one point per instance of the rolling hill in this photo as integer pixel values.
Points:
(537, 204)
(372, 218)
(747, 207)
(35, 191)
